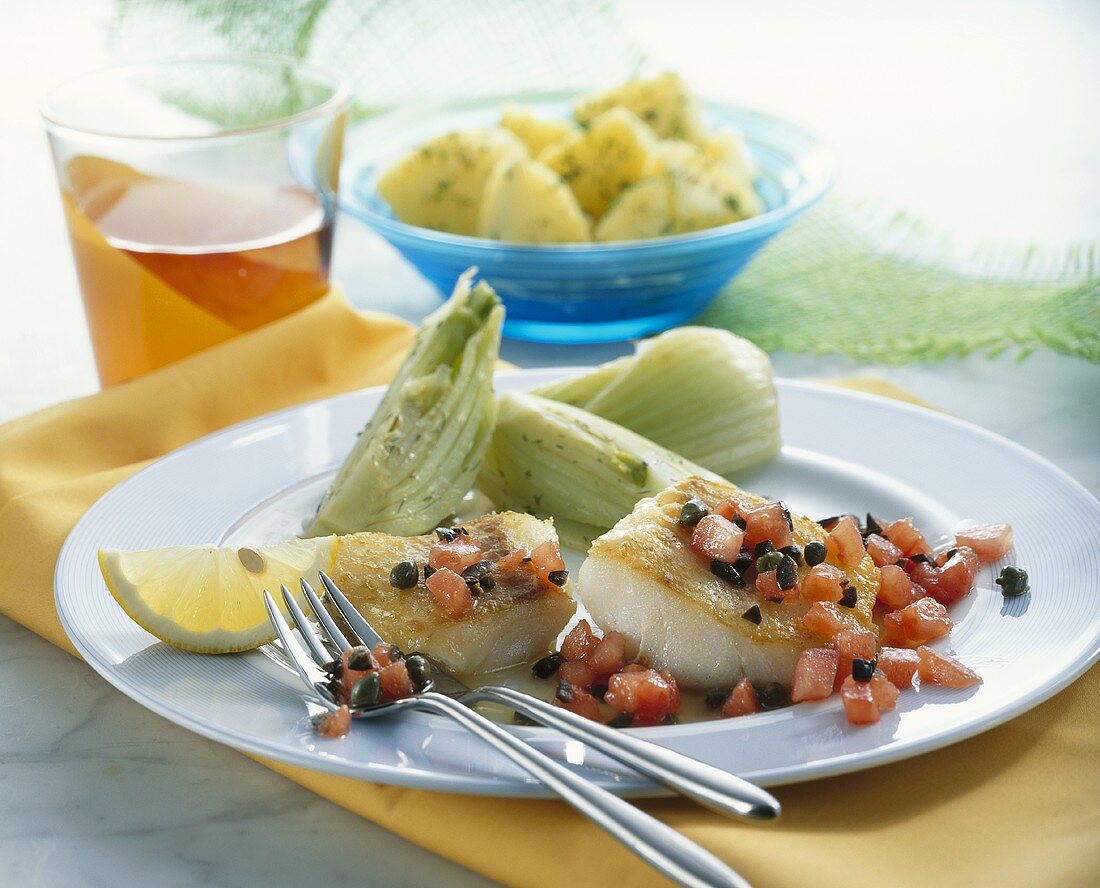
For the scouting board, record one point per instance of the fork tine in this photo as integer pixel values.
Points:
(325, 617)
(309, 671)
(321, 654)
(354, 619)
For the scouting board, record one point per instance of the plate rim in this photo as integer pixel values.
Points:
(449, 781)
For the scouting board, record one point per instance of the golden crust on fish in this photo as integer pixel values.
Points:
(513, 622)
(642, 579)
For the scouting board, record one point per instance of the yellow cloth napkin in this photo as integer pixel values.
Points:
(1018, 805)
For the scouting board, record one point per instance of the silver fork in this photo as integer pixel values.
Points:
(659, 845)
(711, 787)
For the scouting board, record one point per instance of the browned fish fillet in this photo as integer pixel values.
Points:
(514, 622)
(642, 579)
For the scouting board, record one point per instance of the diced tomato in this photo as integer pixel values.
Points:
(824, 583)
(859, 702)
(457, 555)
(882, 551)
(814, 674)
(955, 579)
(514, 560)
(767, 586)
(380, 655)
(767, 521)
(823, 619)
(579, 642)
(334, 724)
(852, 643)
(892, 633)
(546, 558)
(924, 620)
(607, 657)
(450, 591)
(939, 669)
(348, 677)
(717, 538)
(580, 702)
(732, 506)
(577, 673)
(741, 701)
(395, 681)
(860, 643)
(899, 665)
(884, 691)
(895, 589)
(844, 544)
(989, 541)
(906, 537)
(648, 694)
(925, 577)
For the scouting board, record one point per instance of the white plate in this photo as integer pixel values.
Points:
(844, 452)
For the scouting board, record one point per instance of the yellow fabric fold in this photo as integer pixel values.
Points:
(1018, 805)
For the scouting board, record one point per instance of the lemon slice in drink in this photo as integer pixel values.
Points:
(208, 599)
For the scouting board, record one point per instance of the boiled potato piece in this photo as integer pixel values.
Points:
(728, 149)
(528, 203)
(704, 193)
(616, 150)
(643, 210)
(535, 132)
(664, 103)
(440, 184)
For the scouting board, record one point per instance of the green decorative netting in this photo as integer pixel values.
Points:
(843, 280)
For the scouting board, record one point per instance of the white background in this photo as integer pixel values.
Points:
(984, 117)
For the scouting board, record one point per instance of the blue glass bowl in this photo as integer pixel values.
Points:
(592, 292)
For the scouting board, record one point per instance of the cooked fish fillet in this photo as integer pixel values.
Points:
(642, 579)
(514, 622)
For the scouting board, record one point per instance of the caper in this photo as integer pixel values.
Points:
(763, 548)
(359, 658)
(874, 525)
(726, 571)
(547, 666)
(366, 692)
(476, 571)
(740, 522)
(446, 534)
(622, 720)
(753, 615)
(814, 553)
(792, 552)
(598, 691)
(419, 669)
(716, 698)
(404, 575)
(768, 561)
(558, 577)
(786, 574)
(1013, 582)
(692, 512)
(848, 597)
(772, 696)
(863, 670)
(564, 693)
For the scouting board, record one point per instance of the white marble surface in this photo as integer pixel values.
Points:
(980, 115)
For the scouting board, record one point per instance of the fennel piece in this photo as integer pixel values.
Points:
(419, 453)
(553, 459)
(705, 394)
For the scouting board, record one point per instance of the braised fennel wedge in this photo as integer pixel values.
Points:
(553, 459)
(702, 393)
(418, 455)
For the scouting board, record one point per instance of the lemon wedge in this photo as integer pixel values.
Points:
(209, 599)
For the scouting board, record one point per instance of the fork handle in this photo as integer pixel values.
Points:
(711, 787)
(673, 854)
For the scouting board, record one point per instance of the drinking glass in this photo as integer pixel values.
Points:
(200, 196)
